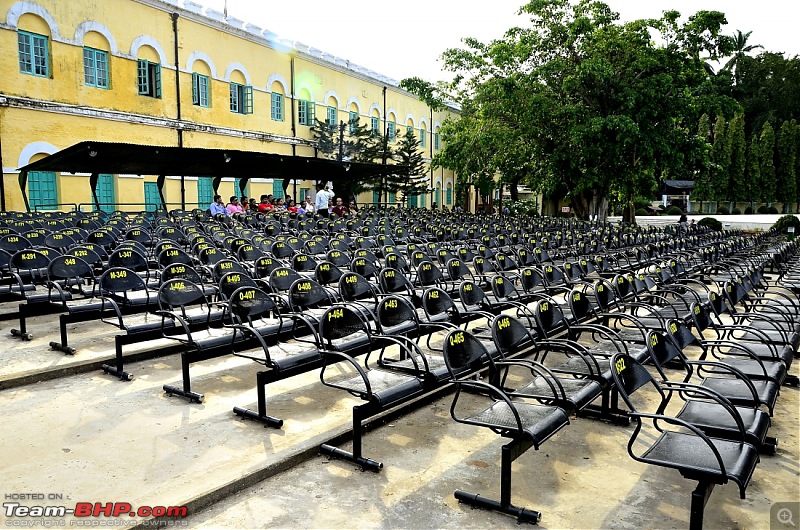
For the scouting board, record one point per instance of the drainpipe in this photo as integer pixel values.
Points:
(430, 165)
(385, 145)
(175, 17)
(294, 122)
(2, 177)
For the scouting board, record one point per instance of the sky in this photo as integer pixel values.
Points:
(405, 38)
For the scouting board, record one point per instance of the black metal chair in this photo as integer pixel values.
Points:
(696, 455)
(526, 424)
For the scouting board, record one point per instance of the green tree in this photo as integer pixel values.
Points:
(785, 169)
(601, 109)
(413, 179)
(766, 162)
(737, 185)
(721, 156)
(752, 170)
(740, 49)
(702, 181)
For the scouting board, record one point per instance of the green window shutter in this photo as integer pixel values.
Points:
(449, 197)
(422, 137)
(152, 197)
(392, 197)
(248, 99)
(311, 113)
(410, 129)
(436, 141)
(277, 107)
(89, 76)
(332, 116)
(142, 77)
(352, 120)
(205, 191)
(391, 131)
(277, 189)
(412, 201)
(34, 55)
(25, 52)
(157, 78)
(195, 89)
(301, 112)
(101, 63)
(42, 190)
(375, 125)
(105, 192)
(235, 97)
(422, 199)
(376, 196)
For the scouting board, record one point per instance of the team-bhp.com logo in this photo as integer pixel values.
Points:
(85, 513)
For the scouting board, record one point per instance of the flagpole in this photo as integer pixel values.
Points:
(225, 11)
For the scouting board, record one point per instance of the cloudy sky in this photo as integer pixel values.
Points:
(405, 38)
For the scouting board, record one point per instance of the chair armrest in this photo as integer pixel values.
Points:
(331, 357)
(248, 331)
(164, 314)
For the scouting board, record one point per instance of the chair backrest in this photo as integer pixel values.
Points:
(179, 270)
(249, 252)
(32, 260)
(179, 293)
(265, 265)
(428, 274)
(364, 267)
(472, 297)
(604, 295)
(549, 317)
(680, 334)
(393, 281)
(340, 322)
(225, 266)
(118, 280)
(503, 288)
(510, 335)
(438, 305)
(306, 294)
(14, 243)
(701, 317)
(396, 313)
(128, 258)
(69, 267)
(173, 255)
(629, 376)
(463, 353)
(233, 281)
(249, 303)
(580, 306)
(663, 350)
(326, 273)
(303, 263)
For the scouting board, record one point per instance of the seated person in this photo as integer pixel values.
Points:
(265, 205)
(340, 209)
(234, 206)
(217, 207)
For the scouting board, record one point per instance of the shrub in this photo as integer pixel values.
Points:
(773, 211)
(736, 211)
(640, 203)
(673, 210)
(785, 222)
(748, 210)
(641, 211)
(763, 209)
(721, 211)
(710, 222)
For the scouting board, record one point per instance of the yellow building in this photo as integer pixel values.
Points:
(174, 74)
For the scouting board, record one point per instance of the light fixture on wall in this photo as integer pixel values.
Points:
(227, 157)
(347, 167)
(92, 153)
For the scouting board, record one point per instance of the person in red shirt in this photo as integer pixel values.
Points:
(265, 206)
(339, 208)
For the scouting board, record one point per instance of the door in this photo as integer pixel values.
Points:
(152, 197)
(42, 191)
(105, 193)
(205, 192)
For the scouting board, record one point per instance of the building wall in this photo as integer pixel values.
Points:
(40, 115)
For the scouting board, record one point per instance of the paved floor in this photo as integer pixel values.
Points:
(92, 438)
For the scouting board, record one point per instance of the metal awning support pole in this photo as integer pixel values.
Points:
(23, 187)
(93, 179)
(160, 181)
(215, 184)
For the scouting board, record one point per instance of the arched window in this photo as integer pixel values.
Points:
(33, 45)
(148, 72)
(96, 71)
(201, 84)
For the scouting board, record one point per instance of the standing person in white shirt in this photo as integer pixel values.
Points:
(321, 203)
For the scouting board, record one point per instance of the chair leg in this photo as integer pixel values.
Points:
(699, 499)
(511, 451)
(261, 415)
(360, 413)
(117, 370)
(186, 391)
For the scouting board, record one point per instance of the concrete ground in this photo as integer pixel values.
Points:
(88, 437)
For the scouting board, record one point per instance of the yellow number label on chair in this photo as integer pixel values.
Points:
(619, 365)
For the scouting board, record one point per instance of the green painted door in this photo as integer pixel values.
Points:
(152, 197)
(105, 193)
(205, 192)
(42, 191)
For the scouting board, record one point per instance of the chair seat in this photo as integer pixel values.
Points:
(772, 335)
(715, 420)
(691, 455)
(776, 370)
(539, 422)
(738, 393)
(387, 387)
(579, 392)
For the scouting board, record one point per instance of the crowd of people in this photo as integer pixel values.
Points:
(326, 204)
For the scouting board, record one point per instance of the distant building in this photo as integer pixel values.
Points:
(170, 73)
